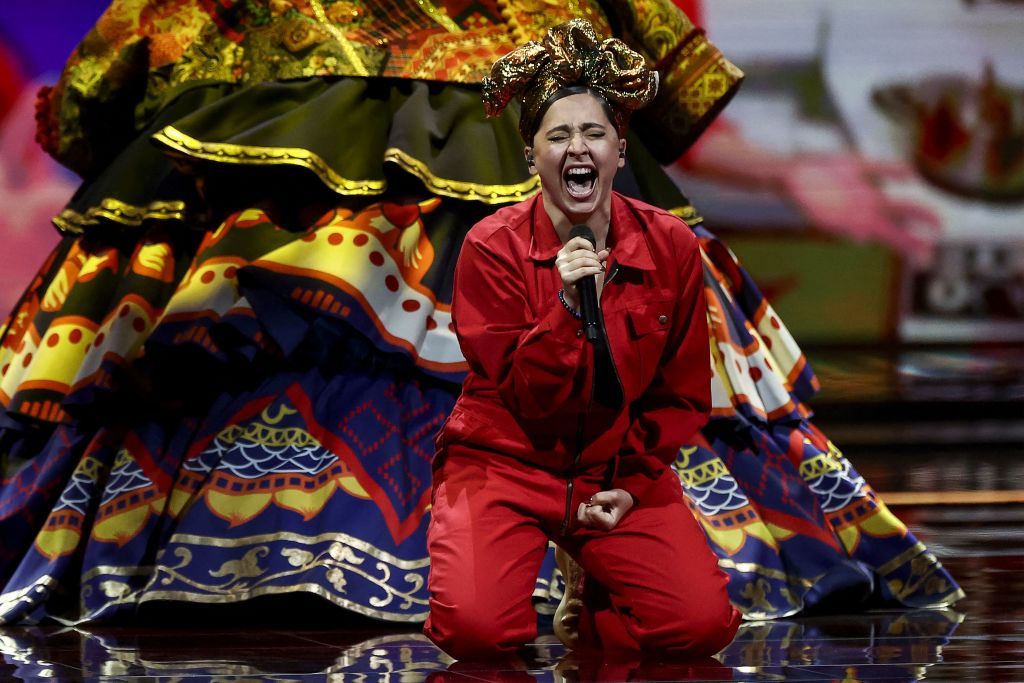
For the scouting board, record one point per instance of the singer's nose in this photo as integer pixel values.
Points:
(577, 146)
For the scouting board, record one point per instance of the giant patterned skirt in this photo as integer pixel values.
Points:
(225, 381)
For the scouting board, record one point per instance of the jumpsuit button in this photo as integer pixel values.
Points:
(579, 333)
(662, 319)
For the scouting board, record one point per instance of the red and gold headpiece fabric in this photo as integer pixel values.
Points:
(570, 54)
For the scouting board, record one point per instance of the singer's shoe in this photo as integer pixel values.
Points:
(567, 614)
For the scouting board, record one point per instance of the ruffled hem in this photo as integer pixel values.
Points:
(437, 134)
(432, 132)
(71, 222)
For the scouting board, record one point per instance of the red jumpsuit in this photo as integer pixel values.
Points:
(527, 441)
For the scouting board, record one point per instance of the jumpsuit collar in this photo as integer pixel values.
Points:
(626, 234)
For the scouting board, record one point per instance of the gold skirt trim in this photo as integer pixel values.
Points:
(72, 222)
(229, 153)
(488, 194)
(313, 588)
(345, 558)
(330, 537)
(242, 154)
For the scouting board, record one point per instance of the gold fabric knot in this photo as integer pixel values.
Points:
(571, 54)
(345, 12)
(299, 33)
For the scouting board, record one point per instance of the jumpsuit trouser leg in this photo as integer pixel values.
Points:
(491, 519)
(486, 545)
(652, 583)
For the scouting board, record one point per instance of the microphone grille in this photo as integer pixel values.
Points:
(585, 232)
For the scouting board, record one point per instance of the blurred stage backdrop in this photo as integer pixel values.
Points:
(870, 173)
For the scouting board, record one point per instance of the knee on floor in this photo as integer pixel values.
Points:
(695, 633)
(466, 635)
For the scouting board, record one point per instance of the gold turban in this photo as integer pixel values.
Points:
(570, 55)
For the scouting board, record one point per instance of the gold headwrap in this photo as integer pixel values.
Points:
(570, 55)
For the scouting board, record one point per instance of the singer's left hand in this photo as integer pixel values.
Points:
(604, 509)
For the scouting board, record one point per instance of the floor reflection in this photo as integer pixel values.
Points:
(36, 653)
(894, 646)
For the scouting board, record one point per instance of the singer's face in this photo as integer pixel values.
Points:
(577, 152)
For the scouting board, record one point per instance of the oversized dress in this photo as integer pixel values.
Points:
(225, 381)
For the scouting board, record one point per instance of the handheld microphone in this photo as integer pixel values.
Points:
(587, 288)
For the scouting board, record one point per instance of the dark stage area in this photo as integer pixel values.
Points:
(937, 432)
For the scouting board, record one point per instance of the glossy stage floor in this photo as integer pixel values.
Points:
(939, 433)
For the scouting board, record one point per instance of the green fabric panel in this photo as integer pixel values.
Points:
(357, 120)
(141, 173)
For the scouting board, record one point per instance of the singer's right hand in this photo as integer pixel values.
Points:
(577, 259)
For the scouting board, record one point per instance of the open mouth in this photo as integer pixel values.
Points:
(580, 182)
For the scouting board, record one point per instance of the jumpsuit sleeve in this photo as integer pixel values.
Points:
(678, 401)
(536, 363)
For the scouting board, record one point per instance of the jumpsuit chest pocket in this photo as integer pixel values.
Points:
(649, 324)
